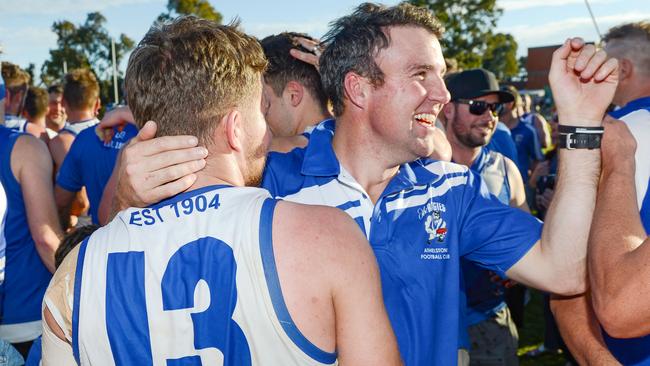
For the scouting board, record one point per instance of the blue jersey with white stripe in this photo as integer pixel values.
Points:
(528, 147)
(429, 216)
(26, 277)
(90, 162)
(636, 351)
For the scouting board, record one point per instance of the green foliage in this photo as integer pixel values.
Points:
(199, 8)
(500, 56)
(469, 36)
(87, 46)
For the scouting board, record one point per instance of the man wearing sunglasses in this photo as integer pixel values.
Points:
(470, 120)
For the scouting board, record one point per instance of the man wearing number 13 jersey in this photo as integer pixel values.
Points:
(221, 274)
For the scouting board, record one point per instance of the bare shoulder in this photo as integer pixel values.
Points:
(327, 231)
(287, 143)
(33, 148)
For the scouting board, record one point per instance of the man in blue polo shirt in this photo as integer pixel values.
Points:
(382, 68)
(524, 135)
(89, 164)
(469, 120)
(630, 44)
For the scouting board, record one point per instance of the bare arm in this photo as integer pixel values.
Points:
(34, 175)
(619, 249)
(580, 330)
(334, 300)
(518, 196)
(59, 147)
(64, 200)
(583, 81)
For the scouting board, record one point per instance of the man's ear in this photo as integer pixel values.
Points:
(625, 69)
(356, 88)
(98, 106)
(295, 92)
(232, 124)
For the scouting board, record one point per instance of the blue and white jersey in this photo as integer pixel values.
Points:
(15, 123)
(636, 115)
(429, 216)
(485, 297)
(528, 147)
(90, 162)
(188, 281)
(77, 127)
(26, 277)
(501, 142)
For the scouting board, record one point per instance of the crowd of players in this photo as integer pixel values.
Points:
(393, 223)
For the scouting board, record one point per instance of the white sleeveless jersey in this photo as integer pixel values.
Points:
(189, 281)
(3, 241)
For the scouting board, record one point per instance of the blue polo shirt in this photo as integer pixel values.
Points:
(635, 351)
(528, 147)
(90, 162)
(429, 216)
(501, 142)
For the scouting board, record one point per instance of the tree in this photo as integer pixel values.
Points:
(500, 56)
(199, 8)
(85, 46)
(468, 24)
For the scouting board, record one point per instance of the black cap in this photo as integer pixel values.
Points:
(474, 83)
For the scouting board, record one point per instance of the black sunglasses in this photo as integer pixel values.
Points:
(478, 107)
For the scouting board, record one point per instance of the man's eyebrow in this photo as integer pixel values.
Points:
(417, 67)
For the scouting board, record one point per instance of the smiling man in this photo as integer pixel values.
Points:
(383, 72)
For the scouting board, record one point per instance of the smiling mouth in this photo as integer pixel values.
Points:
(426, 119)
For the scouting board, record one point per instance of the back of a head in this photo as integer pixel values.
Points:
(354, 41)
(187, 73)
(36, 102)
(15, 78)
(80, 89)
(283, 67)
(631, 41)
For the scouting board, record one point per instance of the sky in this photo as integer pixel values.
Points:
(26, 36)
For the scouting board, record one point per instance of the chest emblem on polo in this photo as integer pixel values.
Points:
(436, 227)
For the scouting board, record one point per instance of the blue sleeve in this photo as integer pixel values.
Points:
(69, 176)
(493, 235)
(536, 153)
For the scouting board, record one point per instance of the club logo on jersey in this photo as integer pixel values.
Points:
(436, 227)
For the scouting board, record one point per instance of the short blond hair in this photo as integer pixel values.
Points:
(80, 89)
(186, 74)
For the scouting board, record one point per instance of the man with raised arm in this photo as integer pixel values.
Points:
(617, 282)
(222, 273)
(382, 68)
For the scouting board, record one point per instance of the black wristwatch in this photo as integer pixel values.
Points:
(572, 137)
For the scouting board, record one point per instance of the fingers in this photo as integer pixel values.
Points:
(559, 59)
(146, 146)
(597, 60)
(584, 56)
(608, 70)
(165, 159)
(170, 189)
(305, 57)
(171, 173)
(117, 117)
(147, 132)
(307, 43)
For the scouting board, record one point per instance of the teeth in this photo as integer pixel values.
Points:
(426, 118)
